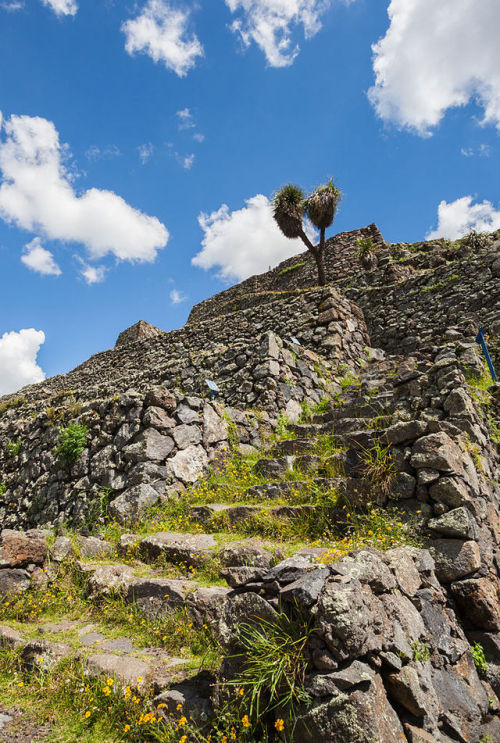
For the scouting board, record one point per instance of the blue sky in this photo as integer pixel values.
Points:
(138, 136)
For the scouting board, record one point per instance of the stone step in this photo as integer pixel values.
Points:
(236, 514)
(284, 488)
(290, 447)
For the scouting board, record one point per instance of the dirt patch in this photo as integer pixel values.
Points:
(20, 728)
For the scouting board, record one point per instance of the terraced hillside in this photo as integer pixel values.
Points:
(314, 555)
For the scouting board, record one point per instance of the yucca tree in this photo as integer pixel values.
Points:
(289, 207)
(321, 207)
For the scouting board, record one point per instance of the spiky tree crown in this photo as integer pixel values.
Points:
(288, 210)
(322, 204)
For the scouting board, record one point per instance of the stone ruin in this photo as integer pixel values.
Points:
(390, 659)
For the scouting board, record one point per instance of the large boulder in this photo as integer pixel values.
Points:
(18, 549)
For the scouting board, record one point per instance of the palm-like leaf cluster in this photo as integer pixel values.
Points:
(290, 206)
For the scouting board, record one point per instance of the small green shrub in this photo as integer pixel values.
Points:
(421, 652)
(3, 487)
(72, 441)
(479, 658)
(274, 665)
(366, 247)
(13, 448)
(379, 466)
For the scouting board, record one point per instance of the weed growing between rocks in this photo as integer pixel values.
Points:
(71, 443)
(274, 668)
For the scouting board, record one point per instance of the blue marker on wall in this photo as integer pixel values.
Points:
(480, 339)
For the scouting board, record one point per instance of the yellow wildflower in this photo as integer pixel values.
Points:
(279, 725)
(245, 721)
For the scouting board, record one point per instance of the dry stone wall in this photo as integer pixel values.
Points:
(413, 296)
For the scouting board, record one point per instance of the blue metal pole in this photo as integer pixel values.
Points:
(480, 339)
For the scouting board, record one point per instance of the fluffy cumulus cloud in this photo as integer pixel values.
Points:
(36, 194)
(18, 352)
(92, 274)
(39, 259)
(62, 7)
(161, 31)
(434, 56)
(270, 25)
(458, 218)
(244, 242)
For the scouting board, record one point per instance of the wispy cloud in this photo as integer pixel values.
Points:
(177, 297)
(107, 152)
(145, 152)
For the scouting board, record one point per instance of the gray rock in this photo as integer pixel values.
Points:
(245, 555)
(13, 581)
(189, 464)
(94, 547)
(156, 417)
(438, 451)
(128, 670)
(214, 426)
(455, 558)
(456, 523)
(190, 549)
(459, 405)
(305, 591)
(329, 685)
(150, 445)
(404, 432)
(350, 718)
(157, 596)
(62, 550)
(403, 486)
(186, 415)
(274, 468)
(128, 506)
(403, 567)
(245, 608)
(239, 576)
(10, 638)
(206, 604)
(42, 655)
(185, 436)
(450, 490)
(109, 580)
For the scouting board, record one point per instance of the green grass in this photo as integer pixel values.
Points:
(289, 269)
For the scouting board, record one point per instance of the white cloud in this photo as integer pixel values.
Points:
(92, 274)
(187, 161)
(177, 297)
(269, 24)
(36, 257)
(102, 153)
(145, 151)
(36, 194)
(483, 150)
(18, 352)
(435, 56)
(199, 137)
(458, 218)
(62, 7)
(185, 119)
(160, 31)
(12, 5)
(244, 242)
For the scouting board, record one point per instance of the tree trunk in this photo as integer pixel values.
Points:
(318, 254)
